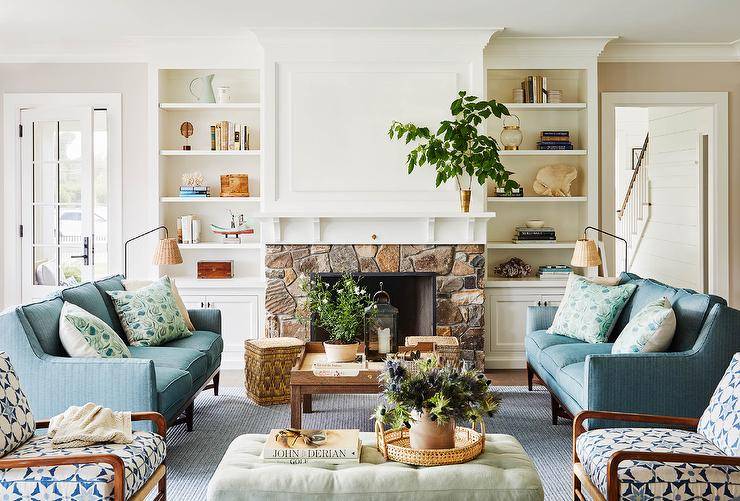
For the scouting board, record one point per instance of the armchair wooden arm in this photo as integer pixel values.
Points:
(155, 417)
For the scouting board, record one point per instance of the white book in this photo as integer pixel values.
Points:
(337, 447)
(187, 229)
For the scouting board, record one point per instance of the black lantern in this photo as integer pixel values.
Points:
(381, 327)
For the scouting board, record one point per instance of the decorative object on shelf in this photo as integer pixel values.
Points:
(215, 269)
(515, 192)
(202, 89)
(535, 89)
(587, 255)
(340, 309)
(517, 95)
(223, 94)
(534, 223)
(186, 130)
(238, 226)
(555, 180)
(555, 96)
(478, 157)
(234, 185)
(192, 179)
(381, 326)
(167, 251)
(428, 400)
(513, 268)
(511, 135)
(554, 140)
(188, 229)
(528, 235)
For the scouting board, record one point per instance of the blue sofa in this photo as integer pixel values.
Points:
(165, 379)
(583, 376)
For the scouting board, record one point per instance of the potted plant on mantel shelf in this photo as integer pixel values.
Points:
(340, 310)
(429, 400)
(458, 149)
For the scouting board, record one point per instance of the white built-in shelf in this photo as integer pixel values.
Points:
(219, 246)
(209, 200)
(545, 106)
(536, 245)
(221, 153)
(220, 283)
(538, 199)
(525, 282)
(542, 153)
(209, 106)
(377, 215)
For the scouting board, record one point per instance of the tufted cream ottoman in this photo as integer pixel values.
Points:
(502, 472)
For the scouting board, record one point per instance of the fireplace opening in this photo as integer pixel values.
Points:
(413, 293)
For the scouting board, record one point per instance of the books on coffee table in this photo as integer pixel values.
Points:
(291, 446)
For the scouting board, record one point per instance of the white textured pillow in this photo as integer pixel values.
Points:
(134, 285)
(84, 335)
(651, 330)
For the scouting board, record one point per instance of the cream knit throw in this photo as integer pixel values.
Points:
(89, 425)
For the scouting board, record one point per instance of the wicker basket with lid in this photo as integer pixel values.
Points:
(267, 368)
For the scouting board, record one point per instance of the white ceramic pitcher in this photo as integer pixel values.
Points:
(202, 89)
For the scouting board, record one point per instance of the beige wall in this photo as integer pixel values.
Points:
(688, 77)
(130, 80)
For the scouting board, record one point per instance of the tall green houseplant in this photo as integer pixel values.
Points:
(458, 148)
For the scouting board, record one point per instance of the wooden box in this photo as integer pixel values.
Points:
(234, 185)
(215, 269)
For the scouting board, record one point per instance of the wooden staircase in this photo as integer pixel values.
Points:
(634, 213)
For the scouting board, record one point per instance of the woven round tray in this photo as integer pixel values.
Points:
(395, 446)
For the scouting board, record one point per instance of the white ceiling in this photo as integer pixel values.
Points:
(661, 21)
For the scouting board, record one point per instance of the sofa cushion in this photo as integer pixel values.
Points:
(570, 380)
(111, 284)
(554, 358)
(537, 341)
(43, 318)
(88, 297)
(174, 386)
(720, 422)
(16, 423)
(651, 330)
(85, 335)
(207, 342)
(193, 361)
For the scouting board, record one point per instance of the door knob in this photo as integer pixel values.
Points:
(85, 256)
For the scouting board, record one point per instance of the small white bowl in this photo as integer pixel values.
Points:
(535, 223)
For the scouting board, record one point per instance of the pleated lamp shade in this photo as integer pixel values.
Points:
(167, 252)
(586, 254)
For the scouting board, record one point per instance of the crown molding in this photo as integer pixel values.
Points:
(618, 52)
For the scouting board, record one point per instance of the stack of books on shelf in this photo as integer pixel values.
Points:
(554, 140)
(188, 229)
(229, 136)
(291, 446)
(526, 235)
(535, 89)
(195, 191)
(554, 272)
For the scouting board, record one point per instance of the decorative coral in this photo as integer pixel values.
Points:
(193, 179)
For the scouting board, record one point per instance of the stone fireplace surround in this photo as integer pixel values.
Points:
(460, 277)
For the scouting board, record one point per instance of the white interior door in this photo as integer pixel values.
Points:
(57, 200)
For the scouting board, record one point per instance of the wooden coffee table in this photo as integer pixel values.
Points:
(303, 382)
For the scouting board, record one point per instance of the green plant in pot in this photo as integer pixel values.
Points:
(339, 309)
(457, 149)
(429, 400)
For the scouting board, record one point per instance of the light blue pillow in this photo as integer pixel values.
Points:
(651, 330)
(589, 310)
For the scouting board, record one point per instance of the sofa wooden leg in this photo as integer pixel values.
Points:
(189, 416)
(216, 379)
(530, 376)
(555, 407)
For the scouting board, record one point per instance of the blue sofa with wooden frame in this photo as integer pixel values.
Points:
(584, 376)
(165, 379)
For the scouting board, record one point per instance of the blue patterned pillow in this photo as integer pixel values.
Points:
(149, 316)
(651, 330)
(720, 423)
(589, 310)
(17, 424)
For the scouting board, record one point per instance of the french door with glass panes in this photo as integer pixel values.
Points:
(62, 228)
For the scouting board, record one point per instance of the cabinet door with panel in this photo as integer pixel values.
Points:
(193, 302)
(507, 321)
(239, 322)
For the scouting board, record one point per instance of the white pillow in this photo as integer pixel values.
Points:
(651, 330)
(134, 285)
(84, 335)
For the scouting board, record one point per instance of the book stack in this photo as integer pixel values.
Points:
(290, 446)
(229, 136)
(554, 140)
(535, 89)
(526, 235)
(195, 191)
(515, 192)
(554, 272)
(188, 229)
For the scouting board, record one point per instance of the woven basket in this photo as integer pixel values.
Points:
(395, 446)
(446, 348)
(267, 364)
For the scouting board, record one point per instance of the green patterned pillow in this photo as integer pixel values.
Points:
(149, 315)
(84, 335)
(651, 330)
(589, 310)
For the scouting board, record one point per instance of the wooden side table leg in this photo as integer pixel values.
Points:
(295, 407)
(307, 403)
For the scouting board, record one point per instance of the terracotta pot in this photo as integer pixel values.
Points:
(428, 434)
(340, 352)
(465, 200)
